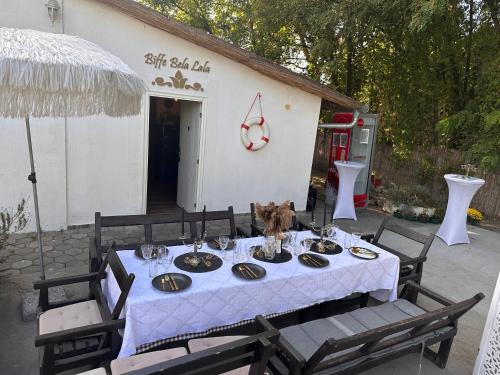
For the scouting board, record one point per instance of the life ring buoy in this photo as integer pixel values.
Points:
(264, 138)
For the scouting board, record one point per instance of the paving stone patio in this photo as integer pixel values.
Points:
(457, 272)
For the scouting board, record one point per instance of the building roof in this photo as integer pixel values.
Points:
(215, 44)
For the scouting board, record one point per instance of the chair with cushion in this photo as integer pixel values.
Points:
(135, 362)
(361, 339)
(81, 332)
(97, 249)
(411, 267)
(231, 355)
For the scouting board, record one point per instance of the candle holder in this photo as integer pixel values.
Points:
(195, 260)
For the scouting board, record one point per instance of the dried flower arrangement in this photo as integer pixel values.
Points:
(276, 219)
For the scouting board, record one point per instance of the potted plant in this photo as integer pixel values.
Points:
(408, 214)
(437, 217)
(423, 217)
(398, 214)
(474, 216)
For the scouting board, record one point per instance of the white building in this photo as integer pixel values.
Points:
(199, 90)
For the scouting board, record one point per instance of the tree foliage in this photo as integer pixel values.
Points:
(429, 67)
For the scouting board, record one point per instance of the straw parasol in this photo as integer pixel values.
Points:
(58, 75)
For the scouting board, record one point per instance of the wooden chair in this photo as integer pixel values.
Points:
(81, 332)
(355, 341)
(257, 230)
(97, 248)
(411, 268)
(216, 355)
(210, 216)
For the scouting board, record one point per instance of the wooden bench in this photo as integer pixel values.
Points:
(97, 248)
(218, 355)
(364, 338)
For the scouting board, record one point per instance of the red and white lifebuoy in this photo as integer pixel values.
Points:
(264, 138)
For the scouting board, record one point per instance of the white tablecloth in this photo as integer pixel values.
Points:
(344, 205)
(219, 298)
(453, 230)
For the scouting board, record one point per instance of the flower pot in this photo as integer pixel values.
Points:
(397, 214)
(410, 217)
(472, 221)
(423, 219)
(436, 220)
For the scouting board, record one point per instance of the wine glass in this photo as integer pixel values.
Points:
(356, 237)
(297, 248)
(331, 232)
(249, 249)
(168, 262)
(347, 242)
(161, 252)
(223, 242)
(147, 252)
(308, 242)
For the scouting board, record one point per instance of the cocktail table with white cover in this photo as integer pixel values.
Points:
(218, 299)
(461, 190)
(348, 172)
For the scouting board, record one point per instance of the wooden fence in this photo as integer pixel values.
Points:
(425, 166)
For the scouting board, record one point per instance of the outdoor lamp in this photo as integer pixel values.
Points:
(52, 7)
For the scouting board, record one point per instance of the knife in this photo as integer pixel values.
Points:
(172, 286)
(175, 284)
(249, 270)
(314, 261)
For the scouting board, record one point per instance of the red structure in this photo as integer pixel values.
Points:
(355, 144)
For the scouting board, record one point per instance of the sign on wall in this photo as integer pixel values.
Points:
(177, 80)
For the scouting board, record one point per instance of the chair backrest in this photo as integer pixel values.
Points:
(389, 225)
(387, 336)
(123, 279)
(253, 216)
(196, 217)
(134, 220)
(254, 350)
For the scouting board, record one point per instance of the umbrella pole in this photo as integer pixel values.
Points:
(32, 179)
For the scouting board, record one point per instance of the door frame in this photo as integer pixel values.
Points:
(145, 141)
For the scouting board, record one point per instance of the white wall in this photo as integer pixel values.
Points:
(48, 137)
(106, 157)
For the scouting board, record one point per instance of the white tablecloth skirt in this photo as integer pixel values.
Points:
(218, 298)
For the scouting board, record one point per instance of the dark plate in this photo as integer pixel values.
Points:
(212, 262)
(138, 253)
(283, 257)
(213, 244)
(363, 253)
(330, 247)
(313, 260)
(178, 282)
(249, 271)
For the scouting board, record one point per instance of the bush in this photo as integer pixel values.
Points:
(417, 195)
(12, 221)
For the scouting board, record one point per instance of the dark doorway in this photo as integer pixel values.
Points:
(163, 158)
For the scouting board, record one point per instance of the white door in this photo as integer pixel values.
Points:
(189, 149)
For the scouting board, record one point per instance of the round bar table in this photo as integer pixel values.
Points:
(461, 189)
(348, 172)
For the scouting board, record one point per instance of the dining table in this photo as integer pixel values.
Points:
(218, 300)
